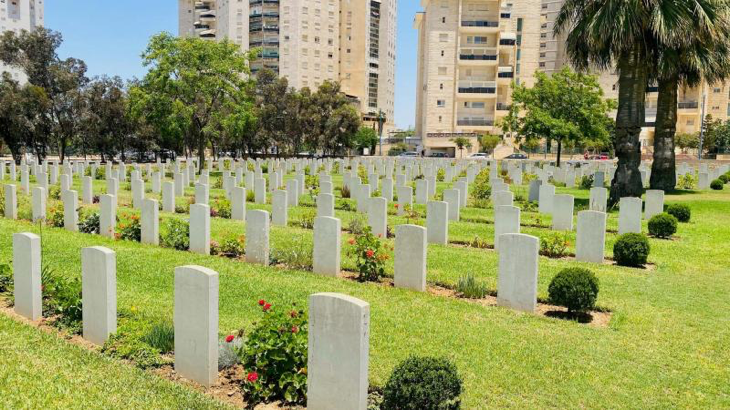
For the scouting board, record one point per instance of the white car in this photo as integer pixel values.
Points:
(479, 155)
(410, 154)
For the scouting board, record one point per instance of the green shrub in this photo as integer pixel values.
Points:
(725, 178)
(482, 190)
(228, 348)
(419, 383)
(717, 185)
(370, 255)
(55, 215)
(631, 249)
(232, 247)
(275, 358)
(586, 182)
(687, 181)
(250, 196)
(575, 289)
(555, 245)
(161, 337)
(662, 225)
(176, 234)
(128, 342)
(470, 288)
(131, 230)
(298, 255)
(62, 299)
(357, 224)
(54, 192)
(6, 279)
(221, 209)
(440, 175)
(90, 224)
(345, 191)
(306, 219)
(680, 211)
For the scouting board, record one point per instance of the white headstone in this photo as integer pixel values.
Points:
(517, 273)
(506, 220)
(327, 246)
(437, 221)
(200, 229)
(150, 221)
(410, 257)
(27, 293)
(590, 239)
(98, 293)
(257, 237)
(629, 215)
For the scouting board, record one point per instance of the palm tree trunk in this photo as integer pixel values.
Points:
(560, 149)
(663, 174)
(629, 120)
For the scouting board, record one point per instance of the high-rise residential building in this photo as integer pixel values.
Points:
(715, 98)
(310, 41)
(469, 52)
(17, 15)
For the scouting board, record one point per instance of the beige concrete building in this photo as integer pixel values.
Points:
(469, 53)
(310, 41)
(690, 100)
(17, 15)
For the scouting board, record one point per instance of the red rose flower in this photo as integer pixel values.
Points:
(252, 377)
(230, 338)
(352, 241)
(262, 302)
(294, 329)
(267, 307)
(370, 253)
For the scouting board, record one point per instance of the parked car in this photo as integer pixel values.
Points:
(479, 155)
(438, 155)
(516, 156)
(409, 154)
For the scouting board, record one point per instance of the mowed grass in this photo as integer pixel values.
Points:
(668, 344)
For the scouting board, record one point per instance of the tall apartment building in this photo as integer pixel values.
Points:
(310, 41)
(716, 97)
(469, 52)
(17, 15)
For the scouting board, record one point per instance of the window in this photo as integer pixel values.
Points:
(443, 20)
(442, 71)
(716, 90)
(440, 103)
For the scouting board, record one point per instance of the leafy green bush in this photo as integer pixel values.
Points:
(228, 348)
(440, 175)
(130, 229)
(470, 288)
(90, 224)
(176, 234)
(55, 215)
(631, 249)
(662, 225)
(419, 383)
(221, 209)
(275, 357)
(717, 185)
(370, 256)
(128, 342)
(161, 337)
(725, 178)
(345, 191)
(62, 299)
(482, 190)
(687, 181)
(231, 247)
(574, 288)
(306, 219)
(54, 192)
(6, 279)
(555, 245)
(298, 255)
(357, 224)
(250, 196)
(586, 182)
(680, 211)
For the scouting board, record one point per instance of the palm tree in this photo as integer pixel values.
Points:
(461, 143)
(700, 54)
(604, 34)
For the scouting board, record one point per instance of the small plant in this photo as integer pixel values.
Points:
(231, 247)
(54, 192)
(306, 219)
(423, 383)
(298, 255)
(62, 299)
(717, 185)
(662, 225)
(221, 208)
(250, 196)
(55, 216)
(161, 337)
(176, 234)
(631, 249)
(482, 190)
(680, 211)
(687, 181)
(412, 216)
(345, 205)
(555, 245)
(470, 288)
(357, 225)
(228, 348)
(440, 175)
(725, 178)
(131, 230)
(575, 289)
(479, 243)
(129, 342)
(311, 181)
(6, 279)
(586, 182)
(275, 358)
(345, 191)
(370, 256)
(90, 224)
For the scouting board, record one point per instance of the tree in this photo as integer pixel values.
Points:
(566, 107)
(22, 123)
(688, 57)
(335, 120)
(34, 52)
(488, 142)
(461, 143)
(366, 137)
(105, 123)
(608, 34)
(686, 141)
(189, 84)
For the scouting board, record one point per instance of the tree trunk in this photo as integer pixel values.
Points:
(630, 118)
(560, 149)
(663, 175)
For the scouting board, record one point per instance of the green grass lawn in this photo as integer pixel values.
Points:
(668, 343)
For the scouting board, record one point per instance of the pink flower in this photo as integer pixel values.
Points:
(252, 377)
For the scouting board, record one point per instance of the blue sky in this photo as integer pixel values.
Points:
(110, 35)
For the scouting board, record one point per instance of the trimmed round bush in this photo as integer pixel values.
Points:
(725, 178)
(717, 185)
(575, 289)
(631, 249)
(662, 225)
(423, 383)
(680, 211)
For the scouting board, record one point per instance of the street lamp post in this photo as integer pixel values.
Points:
(381, 121)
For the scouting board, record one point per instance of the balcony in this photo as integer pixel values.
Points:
(475, 122)
(478, 54)
(480, 23)
(505, 72)
(503, 106)
(508, 39)
(687, 105)
(477, 87)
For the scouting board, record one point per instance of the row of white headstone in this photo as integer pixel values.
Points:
(339, 325)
